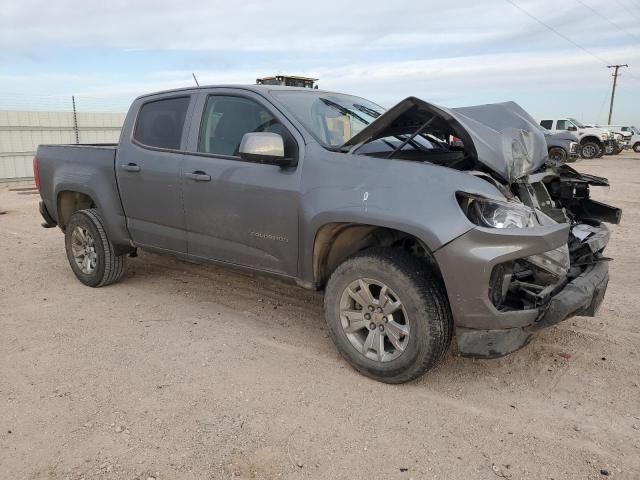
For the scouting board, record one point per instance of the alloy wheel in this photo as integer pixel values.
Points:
(374, 320)
(84, 250)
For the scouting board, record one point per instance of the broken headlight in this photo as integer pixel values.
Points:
(486, 212)
(556, 262)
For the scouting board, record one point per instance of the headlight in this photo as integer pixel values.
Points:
(604, 136)
(495, 213)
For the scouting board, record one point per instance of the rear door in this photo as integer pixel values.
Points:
(149, 167)
(237, 211)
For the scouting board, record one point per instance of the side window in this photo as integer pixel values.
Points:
(160, 123)
(226, 119)
(548, 124)
(563, 125)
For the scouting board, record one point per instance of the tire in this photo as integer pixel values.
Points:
(558, 154)
(424, 314)
(589, 150)
(609, 149)
(94, 262)
(636, 147)
(600, 152)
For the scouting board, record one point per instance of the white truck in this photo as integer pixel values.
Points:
(630, 133)
(593, 141)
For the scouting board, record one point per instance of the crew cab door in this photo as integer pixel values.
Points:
(149, 172)
(238, 211)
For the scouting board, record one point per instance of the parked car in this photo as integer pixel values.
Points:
(412, 240)
(593, 141)
(562, 146)
(630, 133)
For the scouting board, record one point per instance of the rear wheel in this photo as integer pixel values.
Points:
(589, 150)
(388, 314)
(91, 255)
(558, 154)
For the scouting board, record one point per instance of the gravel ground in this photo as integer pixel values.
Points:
(191, 372)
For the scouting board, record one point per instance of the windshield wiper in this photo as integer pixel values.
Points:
(343, 110)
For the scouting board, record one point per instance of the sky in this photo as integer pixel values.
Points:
(456, 53)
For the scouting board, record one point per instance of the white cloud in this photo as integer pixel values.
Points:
(457, 53)
(280, 25)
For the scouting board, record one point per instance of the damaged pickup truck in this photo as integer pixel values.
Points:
(414, 239)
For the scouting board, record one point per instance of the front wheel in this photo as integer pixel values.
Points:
(558, 154)
(636, 147)
(610, 149)
(388, 314)
(91, 255)
(589, 150)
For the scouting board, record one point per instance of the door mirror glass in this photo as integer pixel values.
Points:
(263, 147)
(572, 128)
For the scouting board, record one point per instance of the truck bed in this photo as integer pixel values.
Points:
(86, 168)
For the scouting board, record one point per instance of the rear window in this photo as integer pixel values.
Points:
(160, 123)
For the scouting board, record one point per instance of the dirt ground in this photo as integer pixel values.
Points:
(184, 371)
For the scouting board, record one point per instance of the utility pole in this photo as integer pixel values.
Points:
(613, 91)
(75, 119)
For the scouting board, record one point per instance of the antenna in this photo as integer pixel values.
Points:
(195, 79)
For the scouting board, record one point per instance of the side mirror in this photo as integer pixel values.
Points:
(264, 147)
(572, 128)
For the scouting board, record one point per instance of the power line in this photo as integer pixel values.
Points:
(563, 36)
(628, 10)
(623, 30)
(549, 27)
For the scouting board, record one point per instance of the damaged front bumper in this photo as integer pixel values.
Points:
(468, 266)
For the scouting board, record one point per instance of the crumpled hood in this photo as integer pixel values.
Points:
(502, 136)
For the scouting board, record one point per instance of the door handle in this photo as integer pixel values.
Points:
(130, 167)
(198, 176)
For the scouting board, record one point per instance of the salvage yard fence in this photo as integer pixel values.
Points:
(27, 122)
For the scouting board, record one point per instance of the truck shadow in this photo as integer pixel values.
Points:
(295, 316)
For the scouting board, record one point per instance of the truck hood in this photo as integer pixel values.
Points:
(501, 136)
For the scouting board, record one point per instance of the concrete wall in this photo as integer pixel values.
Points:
(22, 131)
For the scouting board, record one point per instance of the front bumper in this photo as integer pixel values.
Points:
(582, 296)
(467, 263)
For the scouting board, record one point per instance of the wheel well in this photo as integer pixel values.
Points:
(70, 202)
(335, 242)
(590, 139)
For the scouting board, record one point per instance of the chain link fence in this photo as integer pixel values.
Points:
(28, 121)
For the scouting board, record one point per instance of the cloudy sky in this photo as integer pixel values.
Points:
(451, 53)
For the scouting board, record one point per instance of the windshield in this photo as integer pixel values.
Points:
(332, 118)
(577, 123)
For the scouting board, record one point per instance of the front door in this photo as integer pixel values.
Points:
(149, 168)
(237, 211)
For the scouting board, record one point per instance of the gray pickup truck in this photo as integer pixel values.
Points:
(415, 238)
